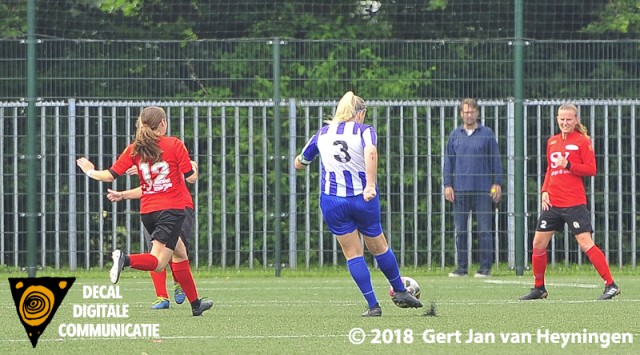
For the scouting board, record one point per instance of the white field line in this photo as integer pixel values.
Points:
(198, 337)
(561, 284)
(305, 303)
(183, 337)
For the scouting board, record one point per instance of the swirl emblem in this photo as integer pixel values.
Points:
(37, 299)
(36, 305)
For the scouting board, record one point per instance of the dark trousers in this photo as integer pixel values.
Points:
(480, 204)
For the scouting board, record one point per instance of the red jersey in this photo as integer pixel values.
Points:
(163, 184)
(566, 187)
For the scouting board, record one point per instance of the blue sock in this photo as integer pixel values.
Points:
(360, 273)
(389, 266)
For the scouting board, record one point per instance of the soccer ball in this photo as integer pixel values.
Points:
(411, 284)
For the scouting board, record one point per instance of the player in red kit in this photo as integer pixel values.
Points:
(164, 166)
(570, 158)
(160, 278)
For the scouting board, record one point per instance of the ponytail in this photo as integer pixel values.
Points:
(348, 108)
(145, 143)
(582, 129)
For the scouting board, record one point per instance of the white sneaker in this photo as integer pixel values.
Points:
(118, 264)
(459, 273)
(482, 275)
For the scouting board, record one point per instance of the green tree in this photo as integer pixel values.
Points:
(619, 17)
(13, 16)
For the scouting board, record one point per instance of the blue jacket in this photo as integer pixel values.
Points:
(472, 163)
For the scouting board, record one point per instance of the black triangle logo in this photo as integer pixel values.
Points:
(37, 299)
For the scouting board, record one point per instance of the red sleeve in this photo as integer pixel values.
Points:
(587, 165)
(545, 183)
(124, 161)
(182, 156)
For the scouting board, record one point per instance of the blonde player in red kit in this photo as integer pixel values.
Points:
(163, 165)
(570, 158)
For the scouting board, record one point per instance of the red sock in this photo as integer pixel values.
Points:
(144, 262)
(599, 262)
(539, 264)
(182, 274)
(160, 283)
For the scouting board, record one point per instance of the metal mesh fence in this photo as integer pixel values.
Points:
(234, 143)
(391, 70)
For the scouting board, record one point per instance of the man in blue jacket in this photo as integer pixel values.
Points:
(472, 174)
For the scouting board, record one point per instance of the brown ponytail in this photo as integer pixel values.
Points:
(145, 143)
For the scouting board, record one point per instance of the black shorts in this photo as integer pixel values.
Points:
(185, 231)
(554, 219)
(164, 226)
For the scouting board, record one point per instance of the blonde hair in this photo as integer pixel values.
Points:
(582, 129)
(348, 107)
(145, 143)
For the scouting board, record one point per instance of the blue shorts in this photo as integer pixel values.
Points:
(343, 215)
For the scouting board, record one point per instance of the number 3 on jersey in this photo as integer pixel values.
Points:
(342, 154)
(160, 170)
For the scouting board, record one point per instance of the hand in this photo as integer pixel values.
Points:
(448, 194)
(114, 195)
(84, 164)
(562, 161)
(369, 193)
(132, 171)
(194, 166)
(496, 193)
(545, 201)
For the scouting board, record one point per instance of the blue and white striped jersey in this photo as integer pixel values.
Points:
(341, 148)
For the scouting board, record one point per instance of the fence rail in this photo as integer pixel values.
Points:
(233, 142)
(384, 69)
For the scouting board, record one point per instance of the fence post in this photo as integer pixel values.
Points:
(277, 156)
(511, 217)
(30, 154)
(518, 191)
(73, 232)
(293, 245)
